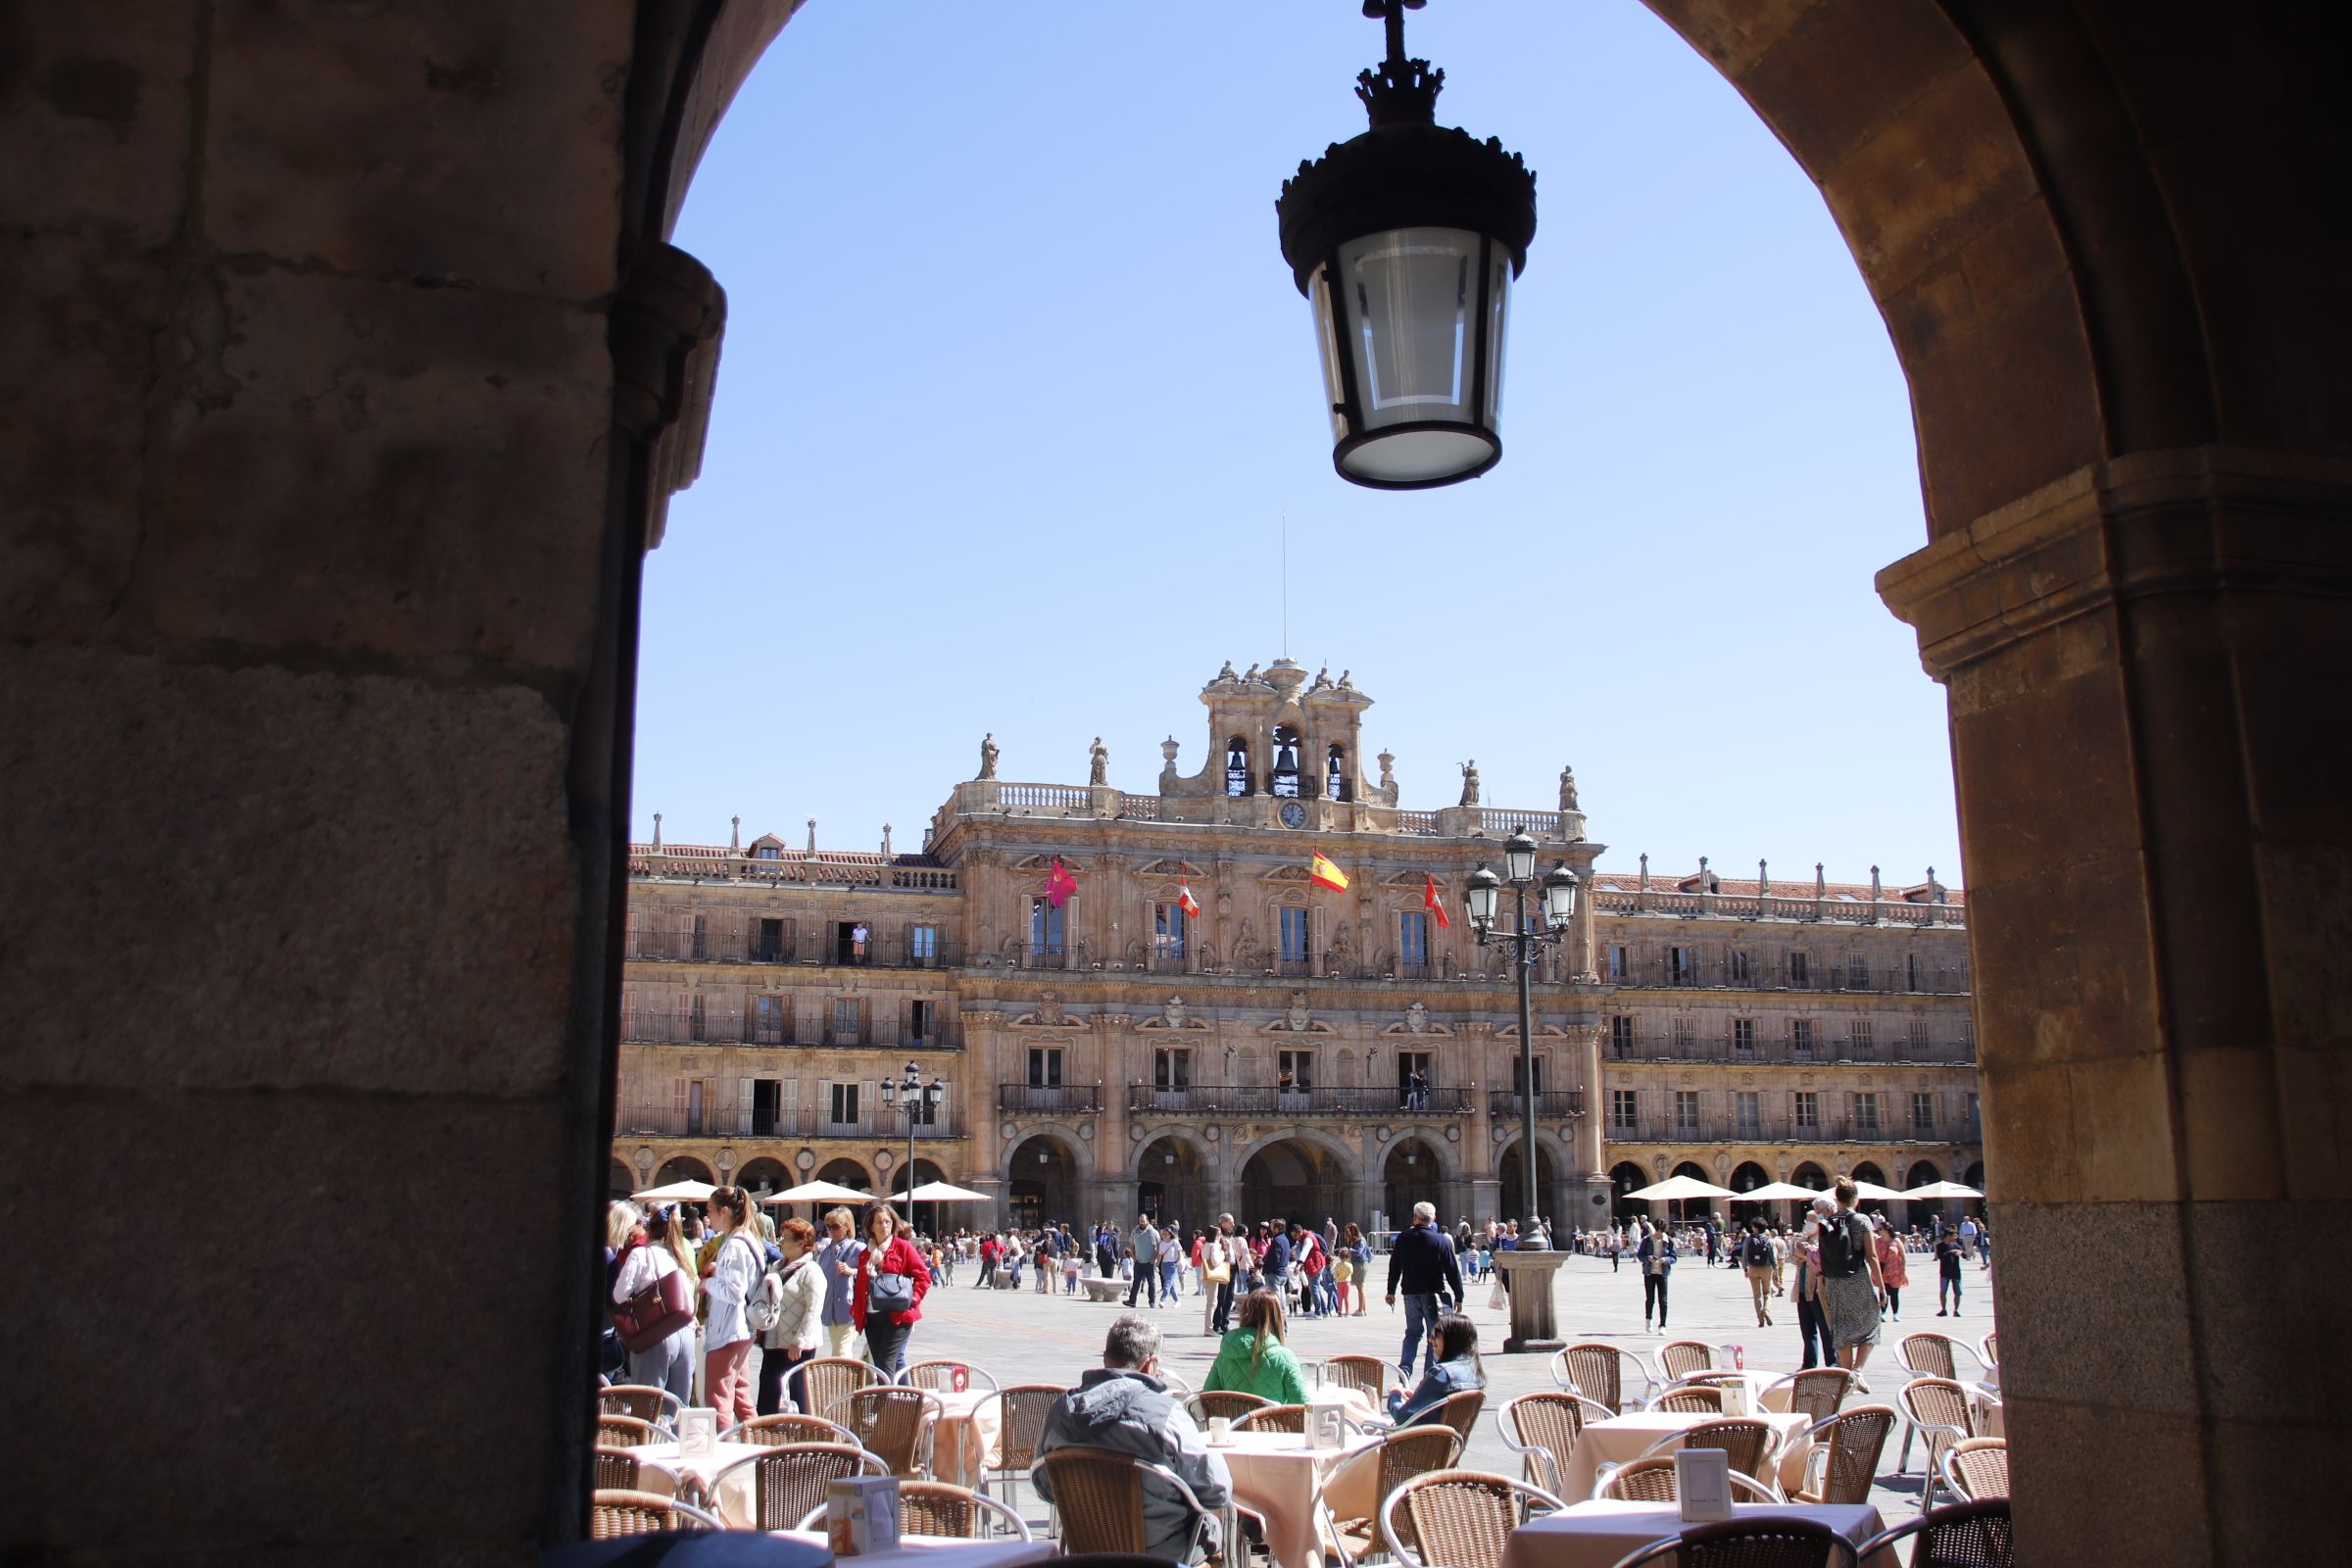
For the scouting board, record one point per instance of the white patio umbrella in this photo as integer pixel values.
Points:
(940, 1192)
(1944, 1189)
(820, 1192)
(1680, 1187)
(676, 1192)
(1874, 1190)
(1778, 1192)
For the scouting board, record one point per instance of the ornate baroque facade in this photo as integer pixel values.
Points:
(1111, 1056)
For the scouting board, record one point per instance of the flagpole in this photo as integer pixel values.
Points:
(1285, 585)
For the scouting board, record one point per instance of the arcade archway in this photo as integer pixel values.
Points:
(683, 1169)
(763, 1176)
(1746, 1177)
(1295, 1179)
(1869, 1172)
(1171, 1182)
(1041, 1183)
(1626, 1177)
(1409, 1175)
(1513, 1198)
(620, 1180)
(846, 1172)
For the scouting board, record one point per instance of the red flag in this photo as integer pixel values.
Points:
(1185, 900)
(1431, 901)
(1060, 884)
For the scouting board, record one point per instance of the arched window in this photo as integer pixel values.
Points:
(1286, 761)
(1237, 766)
(1335, 775)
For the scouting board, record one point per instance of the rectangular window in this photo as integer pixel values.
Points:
(1685, 1035)
(922, 1022)
(1682, 965)
(766, 1104)
(1748, 1113)
(1857, 972)
(1413, 939)
(1912, 972)
(1624, 1110)
(1860, 1040)
(848, 1021)
(1686, 1110)
(1739, 967)
(1519, 1075)
(1045, 925)
(1923, 1112)
(922, 945)
(1744, 1037)
(772, 1021)
(1294, 936)
(924, 1109)
(1800, 1039)
(1973, 1124)
(1168, 932)
(1800, 973)
(767, 942)
(1410, 1062)
(1918, 1032)
(842, 1106)
(1045, 1066)
(1807, 1110)
(1622, 1038)
(1866, 1115)
(1621, 963)
(1295, 1070)
(694, 1107)
(1171, 1069)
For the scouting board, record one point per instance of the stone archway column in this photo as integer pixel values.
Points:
(2140, 659)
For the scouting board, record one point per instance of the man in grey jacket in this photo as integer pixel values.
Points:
(1123, 1405)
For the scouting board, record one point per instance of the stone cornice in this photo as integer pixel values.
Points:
(2191, 520)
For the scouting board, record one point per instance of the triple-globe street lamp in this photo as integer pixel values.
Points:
(1523, 943)
(922, 1100)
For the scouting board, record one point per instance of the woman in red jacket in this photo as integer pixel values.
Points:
(891, 1252)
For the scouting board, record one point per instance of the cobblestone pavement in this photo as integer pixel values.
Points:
(1023, 1336)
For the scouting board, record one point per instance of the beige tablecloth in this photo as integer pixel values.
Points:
(1627, 1437)
(963, 1434)
(737, 1503)
(1277, 1474)
(945, 1551)
(1596, 1533)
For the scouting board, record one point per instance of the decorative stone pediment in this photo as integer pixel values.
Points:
(1045, 863)
(1298, 1019)
(1049, 1015)
(1169, 866)
(1544, 1031)
(1284, 875)
(1173, 1014)
(1417, 1021)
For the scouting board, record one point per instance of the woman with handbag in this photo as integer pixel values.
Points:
(890, 1284)
(735, 1270)
(649, 1289)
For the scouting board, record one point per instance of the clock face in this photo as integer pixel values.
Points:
(1293, 815)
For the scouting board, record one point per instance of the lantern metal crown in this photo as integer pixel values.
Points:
(1405, 241)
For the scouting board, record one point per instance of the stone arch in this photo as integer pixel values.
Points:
(620, 1180)
(1867, 1171)
(847, 1172)
(1413, 1169)
(683, 1169)
(1746, 1177)
(1810, 1174)
(1554, 1161)
(1626, 1177)
(1298, 1175)
(1175, 1179)
(765, 1172)
(1045, 1178)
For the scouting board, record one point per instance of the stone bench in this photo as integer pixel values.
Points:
(1104, 1289)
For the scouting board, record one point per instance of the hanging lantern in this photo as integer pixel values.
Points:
(1405, 241)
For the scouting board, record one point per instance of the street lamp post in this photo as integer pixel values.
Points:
(917, 1097)
(1559, 907)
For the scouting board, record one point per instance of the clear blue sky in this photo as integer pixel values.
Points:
(1016, 390)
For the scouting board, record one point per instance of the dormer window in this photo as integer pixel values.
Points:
(768, 851)
(1237, 766)
(1286, 761)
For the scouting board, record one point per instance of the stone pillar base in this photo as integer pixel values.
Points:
(1535, 1326)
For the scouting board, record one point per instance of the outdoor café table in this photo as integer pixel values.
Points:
(1597, 1532)
(736, 1505)
(1624, 1437)
(963, 1434)
(1277, 1474)
(943, 1551)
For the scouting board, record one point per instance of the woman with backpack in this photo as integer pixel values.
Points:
(1755, 1261)
(1852, 1290)
(735, 1270)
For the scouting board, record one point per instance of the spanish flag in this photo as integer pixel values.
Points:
(1324, 874)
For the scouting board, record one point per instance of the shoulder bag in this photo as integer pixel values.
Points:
(887, 1291)
(653, 1313)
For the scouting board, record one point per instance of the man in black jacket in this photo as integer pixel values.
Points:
(1423, 1262)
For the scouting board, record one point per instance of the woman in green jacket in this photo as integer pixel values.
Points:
(1253, 1359)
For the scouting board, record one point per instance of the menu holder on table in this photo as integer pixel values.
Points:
(1703, 1481)
(862, 1515)
(697, 1432)
(1326, 1424)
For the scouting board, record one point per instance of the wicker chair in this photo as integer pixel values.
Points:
(1398, 1457)
(1689, 1399)
(630, 1432)
(1651, 1481)
(1937, 1409)
(1098, 1496)
(895, 1422)
(1368, 1375)
(1022, 1412)
(1783, 1543)
(641, 1400)
(620, 1470)
(771, 1430)
(1977, 1468)
(791, 1479)
(1988, 1351)
(1231, 1403)
(1596, 1371)
(613, 1513)
(1677, 1359)
(1849, 1443)
(1754, 1446)
(940, 1377)
(1273, 1418)
(1965, 1534)
(828, 1379)
(1542, 1429)
(1459, 1518)
(1927, 1356)
(1815, 1393)
(1461, 1411)
(936, 1508)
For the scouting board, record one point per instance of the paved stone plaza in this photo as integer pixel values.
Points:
(1023, 1337)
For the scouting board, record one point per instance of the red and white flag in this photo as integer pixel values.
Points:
(1060, 884)
(1432, 902)
(1185, 900)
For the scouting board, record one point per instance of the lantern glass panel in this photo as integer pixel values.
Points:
(1327, 338)
(1409, 305)
(1498, 297)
